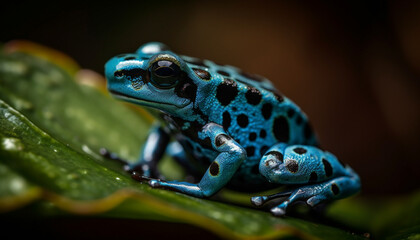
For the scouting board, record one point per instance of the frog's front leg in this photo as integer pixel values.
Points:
(220, 171)
(152, 152)
(325, 178)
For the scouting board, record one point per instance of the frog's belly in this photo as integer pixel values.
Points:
(243, 182)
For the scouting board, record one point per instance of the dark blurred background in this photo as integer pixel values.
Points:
(353, 67)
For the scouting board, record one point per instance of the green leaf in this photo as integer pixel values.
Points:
(68, 112)
(51, 129)
(396, 217)
(399, 218)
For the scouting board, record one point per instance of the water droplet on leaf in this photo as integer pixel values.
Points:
(12, 144)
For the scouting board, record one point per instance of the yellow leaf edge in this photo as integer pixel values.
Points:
(51, 55)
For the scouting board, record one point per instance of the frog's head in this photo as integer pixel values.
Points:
(153, 77)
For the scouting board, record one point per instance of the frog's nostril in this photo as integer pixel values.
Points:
(118, 73)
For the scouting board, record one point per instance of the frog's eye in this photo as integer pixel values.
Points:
(164, 74)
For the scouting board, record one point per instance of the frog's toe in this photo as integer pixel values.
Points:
(154, 183)
(258, 201)
(261, 200)
(278, 212)
(159, 183)
(315, 200)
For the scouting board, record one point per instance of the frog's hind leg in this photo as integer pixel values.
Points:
(320, 175)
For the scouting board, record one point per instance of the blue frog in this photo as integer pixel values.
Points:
(228, 128)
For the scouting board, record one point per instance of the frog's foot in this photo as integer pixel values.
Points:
(314, 194)
(261, 200)
(321, 176)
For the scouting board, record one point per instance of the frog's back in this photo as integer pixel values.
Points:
(249, 107)
(251, 111)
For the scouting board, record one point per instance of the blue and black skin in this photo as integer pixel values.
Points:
(227, 127)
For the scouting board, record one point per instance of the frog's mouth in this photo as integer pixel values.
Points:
(144, 102)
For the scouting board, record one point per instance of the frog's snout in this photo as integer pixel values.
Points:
(126, 67)
(111, 68)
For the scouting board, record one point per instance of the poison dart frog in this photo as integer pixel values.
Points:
(228, 128)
